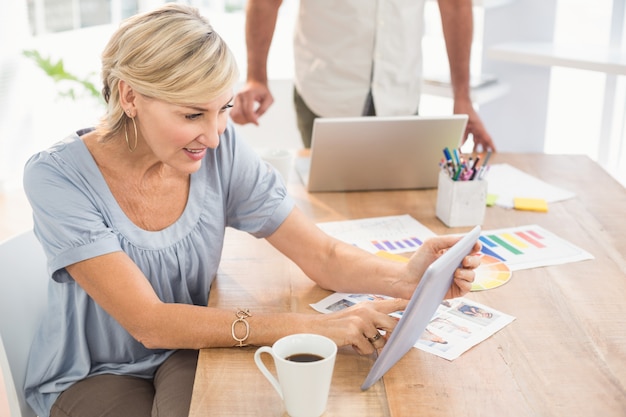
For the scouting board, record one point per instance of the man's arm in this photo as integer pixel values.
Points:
(255, 98)
(458, 28)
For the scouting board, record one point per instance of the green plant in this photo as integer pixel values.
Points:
(58, 73)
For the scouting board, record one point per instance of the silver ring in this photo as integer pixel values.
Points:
(374, 338)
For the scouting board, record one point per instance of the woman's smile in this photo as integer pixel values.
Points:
(195, 153)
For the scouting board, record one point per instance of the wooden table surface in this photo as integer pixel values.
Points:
(564, 355)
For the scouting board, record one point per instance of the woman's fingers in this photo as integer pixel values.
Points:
(376, 318)
(363, 325)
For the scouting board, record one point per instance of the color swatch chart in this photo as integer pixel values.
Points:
(529, 247)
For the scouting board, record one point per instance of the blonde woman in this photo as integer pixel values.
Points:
(132, 215)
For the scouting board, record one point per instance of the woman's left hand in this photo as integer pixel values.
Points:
(432, 249)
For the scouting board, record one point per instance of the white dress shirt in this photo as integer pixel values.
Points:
(344, 48)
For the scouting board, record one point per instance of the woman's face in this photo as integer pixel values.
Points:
(179, 136)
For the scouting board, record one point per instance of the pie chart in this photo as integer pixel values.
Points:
(491, 273)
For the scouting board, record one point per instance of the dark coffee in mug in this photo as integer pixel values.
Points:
(304, 357)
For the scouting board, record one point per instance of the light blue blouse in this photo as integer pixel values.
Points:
(76, 217)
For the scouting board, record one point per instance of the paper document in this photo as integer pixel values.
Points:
(505, 183)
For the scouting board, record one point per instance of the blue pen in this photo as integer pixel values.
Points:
(451, 168)
(456, 156)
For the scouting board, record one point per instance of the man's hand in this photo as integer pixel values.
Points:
(251, 102)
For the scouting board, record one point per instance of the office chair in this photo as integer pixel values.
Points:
(23, 290)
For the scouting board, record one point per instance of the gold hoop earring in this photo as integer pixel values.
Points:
(130, 148)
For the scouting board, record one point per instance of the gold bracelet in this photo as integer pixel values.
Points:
(242, 315)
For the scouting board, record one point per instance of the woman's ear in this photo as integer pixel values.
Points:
(127, 96)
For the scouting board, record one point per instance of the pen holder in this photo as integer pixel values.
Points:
(461, 203)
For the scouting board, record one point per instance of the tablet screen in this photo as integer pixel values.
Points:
(429, 293)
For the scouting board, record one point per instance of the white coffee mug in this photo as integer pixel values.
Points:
(280, 159)
(303, 385)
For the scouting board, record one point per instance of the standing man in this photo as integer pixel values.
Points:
(357, 58)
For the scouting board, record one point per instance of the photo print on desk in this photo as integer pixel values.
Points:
(457, 325)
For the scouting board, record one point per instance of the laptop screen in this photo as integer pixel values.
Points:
(378, 153)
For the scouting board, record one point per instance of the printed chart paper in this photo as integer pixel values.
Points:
(529, 246)
(503, 250)
(392, 234)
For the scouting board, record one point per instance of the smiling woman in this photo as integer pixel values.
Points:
(131, 177)
(132, 217)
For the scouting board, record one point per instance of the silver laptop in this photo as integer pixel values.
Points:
(378, 153)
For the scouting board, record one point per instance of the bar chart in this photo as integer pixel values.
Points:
(530, 247)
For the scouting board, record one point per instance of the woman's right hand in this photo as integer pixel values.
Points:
(359, 324)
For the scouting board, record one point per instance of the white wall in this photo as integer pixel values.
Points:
(13, 35)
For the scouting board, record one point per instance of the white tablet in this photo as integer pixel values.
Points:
(429, 293)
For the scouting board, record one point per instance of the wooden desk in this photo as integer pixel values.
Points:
(564, 355)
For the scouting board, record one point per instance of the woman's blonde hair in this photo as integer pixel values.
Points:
(170, 54)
